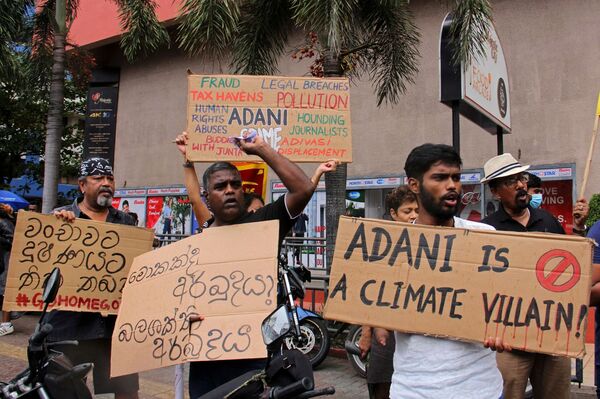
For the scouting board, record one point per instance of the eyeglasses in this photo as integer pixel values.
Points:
(511, 181)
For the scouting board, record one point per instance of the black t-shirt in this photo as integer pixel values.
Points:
(274, 211)
(539, 220)
(300, 225)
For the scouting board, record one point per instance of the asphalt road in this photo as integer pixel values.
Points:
(159, 384)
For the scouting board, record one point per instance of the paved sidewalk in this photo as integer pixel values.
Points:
(159, 384)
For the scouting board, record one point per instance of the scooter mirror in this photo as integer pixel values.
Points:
(276, 325)
(51, 286)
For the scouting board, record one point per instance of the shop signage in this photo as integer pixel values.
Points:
(167, 191)
(481, 85)
(381, 182)
(130, 193)
(101, 123)
(554, 172)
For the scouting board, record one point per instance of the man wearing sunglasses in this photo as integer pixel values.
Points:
(550, 375)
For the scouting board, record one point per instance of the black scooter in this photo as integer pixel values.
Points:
(50, 374)
(288, 373)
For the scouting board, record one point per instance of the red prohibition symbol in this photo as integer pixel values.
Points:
(548, 275)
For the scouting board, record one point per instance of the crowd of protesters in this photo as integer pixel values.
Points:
(401, 365)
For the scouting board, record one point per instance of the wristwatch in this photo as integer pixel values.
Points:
(580, 232)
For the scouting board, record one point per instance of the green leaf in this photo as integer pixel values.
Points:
(208, 26)
(391, 58)
(470, 29)
(143, 33)
(334, 20)
(263, 33)
(594, 215)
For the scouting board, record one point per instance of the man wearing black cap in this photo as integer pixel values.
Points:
(92, 330)
(550, 375)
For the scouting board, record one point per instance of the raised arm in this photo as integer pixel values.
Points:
(299, 186)
(192, 185)
(581, 210)
(325, 167)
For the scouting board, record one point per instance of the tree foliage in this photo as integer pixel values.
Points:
(377, 38)
(594, 215)
(24, 94)
(51, 22)
(366, 37)
(143, 34)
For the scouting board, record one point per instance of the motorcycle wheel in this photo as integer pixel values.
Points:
(315, 341)
(359, 365)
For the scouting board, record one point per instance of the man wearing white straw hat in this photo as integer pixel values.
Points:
(550, 375)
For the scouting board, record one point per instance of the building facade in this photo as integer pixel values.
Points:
(552, 51)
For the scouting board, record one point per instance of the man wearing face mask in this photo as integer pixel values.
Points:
(581, 209)
(550, 375)
(92, 330)
(534, 190)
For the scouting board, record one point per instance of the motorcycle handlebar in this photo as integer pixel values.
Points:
(76, 373)
(39, 336)
(352, 348)
(59, 343)
(295, 388)
(317, 392)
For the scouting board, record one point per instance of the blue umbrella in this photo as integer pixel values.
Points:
(6, 197)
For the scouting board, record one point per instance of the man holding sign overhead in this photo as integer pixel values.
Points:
(225, 198)
(430, 367)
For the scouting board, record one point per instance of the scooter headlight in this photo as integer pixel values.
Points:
(276, 325)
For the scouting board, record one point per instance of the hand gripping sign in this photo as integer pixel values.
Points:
(531, 289)
(94, 259)
(304, 119)
(226, 274)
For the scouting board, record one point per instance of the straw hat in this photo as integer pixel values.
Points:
(502, 166)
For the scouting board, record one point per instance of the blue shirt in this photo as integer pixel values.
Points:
(594, 233)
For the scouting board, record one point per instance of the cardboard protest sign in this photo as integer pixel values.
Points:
(530, 289)
(93, 257)
(226, 274)
(305, 119)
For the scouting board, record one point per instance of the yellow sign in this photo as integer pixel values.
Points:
(254, 177)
